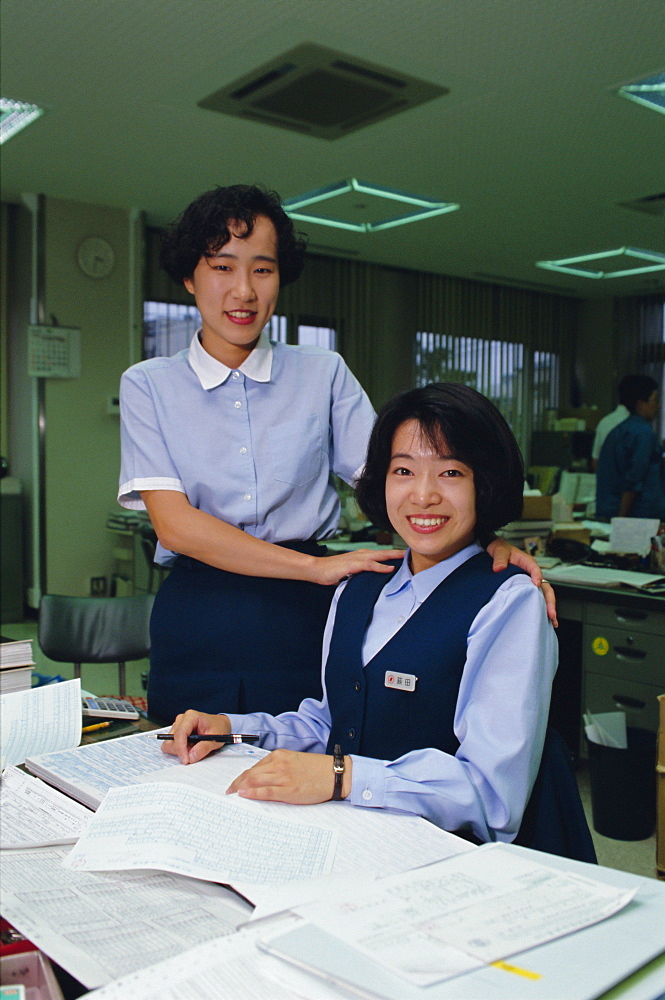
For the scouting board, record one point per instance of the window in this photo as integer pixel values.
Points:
(522, 383)
(318, 336)
(169, 328)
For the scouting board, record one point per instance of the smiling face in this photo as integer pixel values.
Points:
(430, 498)
(236, 291)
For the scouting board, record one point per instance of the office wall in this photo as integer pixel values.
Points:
(82, 438)
(597, 358)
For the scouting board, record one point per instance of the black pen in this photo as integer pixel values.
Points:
(198, 738)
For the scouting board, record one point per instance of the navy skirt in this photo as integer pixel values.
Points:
(221, 642)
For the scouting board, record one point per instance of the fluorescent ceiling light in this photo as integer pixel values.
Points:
(425, 207)
(14, 116)
(650, 92)
(565, 265)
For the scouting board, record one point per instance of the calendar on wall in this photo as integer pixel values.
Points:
(54, 351)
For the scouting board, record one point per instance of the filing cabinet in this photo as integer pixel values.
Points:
(624, 660)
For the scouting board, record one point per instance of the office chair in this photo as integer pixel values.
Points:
(95, 630)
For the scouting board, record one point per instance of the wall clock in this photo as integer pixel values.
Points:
(95, 257)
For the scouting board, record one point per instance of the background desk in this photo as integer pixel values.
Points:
(611, 655)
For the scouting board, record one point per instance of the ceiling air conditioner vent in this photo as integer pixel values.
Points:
(320, 92)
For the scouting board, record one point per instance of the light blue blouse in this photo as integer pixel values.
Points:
(254, 446)
(500, 718)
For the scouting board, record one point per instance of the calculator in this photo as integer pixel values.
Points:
(108, 708)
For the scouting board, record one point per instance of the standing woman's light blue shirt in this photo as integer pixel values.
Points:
(254, 446)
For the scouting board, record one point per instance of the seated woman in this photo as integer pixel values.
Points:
(436, 679)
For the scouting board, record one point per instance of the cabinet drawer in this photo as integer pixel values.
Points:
(624, 653)
(608, 694)
(623, 616)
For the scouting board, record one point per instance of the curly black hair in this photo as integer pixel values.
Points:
(203, 229)
(464, 424)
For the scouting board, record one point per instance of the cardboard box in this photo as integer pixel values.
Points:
(577, 534)
(660, 777)
(537, 509)
(33, 970)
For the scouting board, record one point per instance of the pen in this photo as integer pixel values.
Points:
(198, 738)
(98, 725)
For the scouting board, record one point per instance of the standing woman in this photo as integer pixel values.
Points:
(230, 446)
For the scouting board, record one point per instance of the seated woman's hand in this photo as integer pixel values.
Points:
(289, 776)
(195, 722)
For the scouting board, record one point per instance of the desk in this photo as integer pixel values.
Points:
(612, 654)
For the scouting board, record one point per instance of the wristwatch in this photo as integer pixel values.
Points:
(338, 769)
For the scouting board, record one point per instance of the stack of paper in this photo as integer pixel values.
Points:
(16, 665)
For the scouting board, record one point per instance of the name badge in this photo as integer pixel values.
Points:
(401, 682)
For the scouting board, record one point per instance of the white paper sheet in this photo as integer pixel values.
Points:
(598, 576)
(435, 923)
(371, 841)
(633, 534)
(39, 720)
(180, 829)
(33, 814)
(101, 926)
(230, 968)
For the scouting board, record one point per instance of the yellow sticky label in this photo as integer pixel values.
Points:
(515, 969)
(600, 645)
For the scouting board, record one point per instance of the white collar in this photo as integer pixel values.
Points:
(425, 582)
(212, 373)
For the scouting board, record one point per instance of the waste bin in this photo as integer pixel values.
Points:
(623, 787)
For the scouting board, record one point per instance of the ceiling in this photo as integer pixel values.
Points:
(531, 139)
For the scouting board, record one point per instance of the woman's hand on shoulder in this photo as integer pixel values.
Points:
(195, 722)
(331, 570)
(291, 776)
(503, 553)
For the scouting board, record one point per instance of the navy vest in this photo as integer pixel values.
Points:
(375, 721)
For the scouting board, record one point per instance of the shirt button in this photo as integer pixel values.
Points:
(352, 734)
(356, 686)
(247, 496)
(367, 795)
(235, 374)
(243, 450)
(400, 619)
(237, 404)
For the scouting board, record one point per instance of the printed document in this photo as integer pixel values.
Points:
(39, 720)
(205, 835)
(230, 968)
(373, 842)
(457, 915)
(32, 814)
(86, 773)
(100, 927)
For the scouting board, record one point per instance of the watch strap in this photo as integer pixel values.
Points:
(338, 770)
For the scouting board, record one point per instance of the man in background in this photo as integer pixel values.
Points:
(630, 481)
(609, 422)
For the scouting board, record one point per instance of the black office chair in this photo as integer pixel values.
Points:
(95, 630)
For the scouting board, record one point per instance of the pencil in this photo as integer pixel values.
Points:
(98, 725)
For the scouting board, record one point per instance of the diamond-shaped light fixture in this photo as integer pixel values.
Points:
(650, 92)
(565, 265)
(14, 116)
(362, 203)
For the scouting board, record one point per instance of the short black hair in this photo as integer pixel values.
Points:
(472, 430)
(633, 388)
(203, 229)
